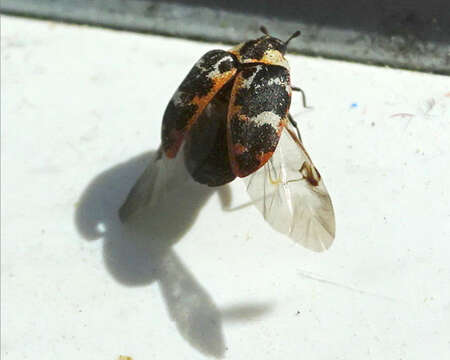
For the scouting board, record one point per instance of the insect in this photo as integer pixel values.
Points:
(230, 118)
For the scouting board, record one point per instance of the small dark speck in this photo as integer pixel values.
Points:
(298, 312)
(43, 231)
(372, 124)
(151, 8)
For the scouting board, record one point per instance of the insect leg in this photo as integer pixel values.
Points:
(294, 124)
(295, 88)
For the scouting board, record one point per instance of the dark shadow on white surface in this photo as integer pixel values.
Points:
(139, 252)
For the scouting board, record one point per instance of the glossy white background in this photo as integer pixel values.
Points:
(81, 110)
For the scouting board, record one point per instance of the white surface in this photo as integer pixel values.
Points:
(81, 106)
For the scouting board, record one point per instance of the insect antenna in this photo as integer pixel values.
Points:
(294, 35)
(263, 29)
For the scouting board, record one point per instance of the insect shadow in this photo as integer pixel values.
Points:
(139, 253)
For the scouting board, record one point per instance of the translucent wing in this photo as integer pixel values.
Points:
(291, 195)
(161, 176)
(203, 158)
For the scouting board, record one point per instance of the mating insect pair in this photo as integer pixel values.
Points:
(231, 114)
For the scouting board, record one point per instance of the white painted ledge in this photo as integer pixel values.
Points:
(81, 109)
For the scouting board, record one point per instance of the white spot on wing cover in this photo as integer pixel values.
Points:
(267, 117)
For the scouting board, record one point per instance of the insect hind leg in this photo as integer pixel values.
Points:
(295, 124)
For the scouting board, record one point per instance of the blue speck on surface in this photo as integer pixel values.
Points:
(353, 105)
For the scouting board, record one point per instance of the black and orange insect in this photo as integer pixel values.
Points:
(230, 116)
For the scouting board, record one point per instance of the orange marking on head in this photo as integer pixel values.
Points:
(270, 57)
